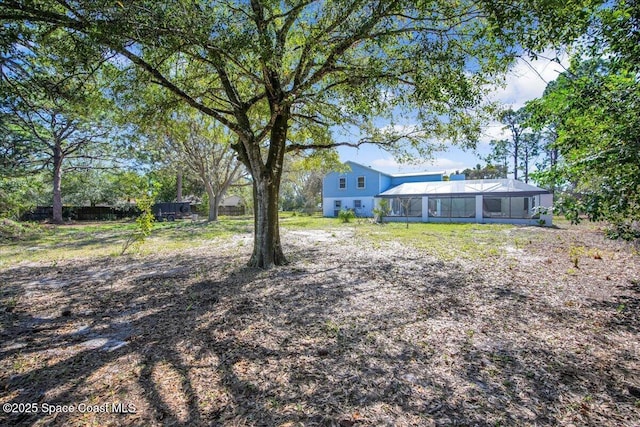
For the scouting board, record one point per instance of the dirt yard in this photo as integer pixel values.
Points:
(545, 333)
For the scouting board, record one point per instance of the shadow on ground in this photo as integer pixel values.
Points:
(333, 339)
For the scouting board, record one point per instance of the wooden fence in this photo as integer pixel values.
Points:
(82, 213)
(231, 210)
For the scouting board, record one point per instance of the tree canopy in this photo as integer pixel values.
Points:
(596, 113)
(53, 115)
(268, 70)
(593, 113)
(489, 171)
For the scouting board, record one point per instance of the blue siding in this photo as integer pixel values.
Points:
(385, 182)
(457, 177)
(376, 182)
(397, 180)
(330, 184)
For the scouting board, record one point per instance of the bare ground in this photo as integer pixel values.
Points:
(345, 335)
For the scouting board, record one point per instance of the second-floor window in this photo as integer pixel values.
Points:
(342, 183)
(360, 182)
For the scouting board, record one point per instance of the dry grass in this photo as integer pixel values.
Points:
(355, 331)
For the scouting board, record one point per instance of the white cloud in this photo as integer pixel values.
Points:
(528, 79)
(387, 163)
(391, 165)
(449, 165)
(493, 131)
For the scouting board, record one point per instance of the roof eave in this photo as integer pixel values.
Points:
(479, 193)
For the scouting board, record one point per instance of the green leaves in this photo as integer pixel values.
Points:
(595, 110)
(434, 57)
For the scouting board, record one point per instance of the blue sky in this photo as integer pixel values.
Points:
(527, 80)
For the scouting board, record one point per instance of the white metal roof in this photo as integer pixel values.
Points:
(470, 187)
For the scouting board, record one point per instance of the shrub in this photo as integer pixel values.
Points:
(626, 230)
(11, 231)
(381, 211)
(346, 215)
(144, 224)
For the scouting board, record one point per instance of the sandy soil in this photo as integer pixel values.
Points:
(349, 333)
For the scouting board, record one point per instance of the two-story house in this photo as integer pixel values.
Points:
(357, 188)
(428, 197)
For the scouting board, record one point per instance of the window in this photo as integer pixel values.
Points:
(337, 206)
(342, 183)
(463, 207)
(360, 184)
(440, 207)
(520, 207)
(357, 204)
(496, 207)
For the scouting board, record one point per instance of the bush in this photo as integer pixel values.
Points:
(144, 224)
(626, 230)
(346, 215)
(11, 231)
(381, 211)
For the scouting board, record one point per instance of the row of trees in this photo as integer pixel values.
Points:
(272, 78)
(585, 129)
(64, 120)
(278, 75)
(524, 145)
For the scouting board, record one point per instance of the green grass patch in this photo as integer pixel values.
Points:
(296, 221)
(445, 241)
(98, 239)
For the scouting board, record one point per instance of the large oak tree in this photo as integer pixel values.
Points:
(270, 67)
(203, 147)
(53, 115)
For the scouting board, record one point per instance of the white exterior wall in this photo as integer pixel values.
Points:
(425, 209)
(546, 200)
(328, 205)
(479, 209)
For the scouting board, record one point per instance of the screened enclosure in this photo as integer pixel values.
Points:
(405, 206)
(490, 200)
(509, 207)
(452, 207)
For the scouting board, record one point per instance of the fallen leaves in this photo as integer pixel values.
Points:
(350, 334)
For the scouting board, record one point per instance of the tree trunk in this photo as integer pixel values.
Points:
(57, 179)
(179, 187)
(515, 159)
(554, 157)
(213, 202)
(213, 209)
(267, 249)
